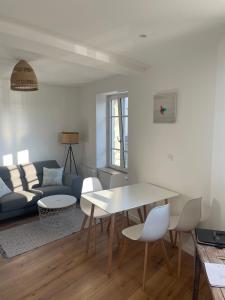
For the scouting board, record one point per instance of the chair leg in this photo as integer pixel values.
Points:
(95, 235)
(101, 222)
(153, 247)
(145, 265)
(140, 215)
(82, 226)
(175, 240)
(123, 251)
(151, 251)
(117, 231)
(128, 221)
(109, 224)
(193, 237)
(166, 256)
(145, 212)
(171, 237)
(179, 254)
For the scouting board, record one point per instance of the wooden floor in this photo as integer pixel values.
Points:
(61, 271)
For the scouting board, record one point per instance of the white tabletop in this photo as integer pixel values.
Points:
(56, 201)
(128, 197)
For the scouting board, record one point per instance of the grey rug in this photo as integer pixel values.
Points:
(26, 237)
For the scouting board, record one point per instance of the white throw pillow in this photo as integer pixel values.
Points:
(4, 190)
(52, 176)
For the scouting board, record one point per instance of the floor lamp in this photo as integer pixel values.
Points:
(70, 138)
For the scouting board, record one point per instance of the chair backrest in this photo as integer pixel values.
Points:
(118, 180)
(156, 224)
(91, 184)
(190, 215)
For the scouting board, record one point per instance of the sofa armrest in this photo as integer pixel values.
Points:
(68, 178)
(75, 182)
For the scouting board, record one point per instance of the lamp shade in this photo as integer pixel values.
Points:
(23, 77)
(69, 138)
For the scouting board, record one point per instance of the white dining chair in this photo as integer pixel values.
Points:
(153, 230)
(186, 222)
(91, 184)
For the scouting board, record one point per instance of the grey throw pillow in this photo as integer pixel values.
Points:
(4, 190)
(52, 176)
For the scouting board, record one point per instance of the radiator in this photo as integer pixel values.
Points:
(105, 175)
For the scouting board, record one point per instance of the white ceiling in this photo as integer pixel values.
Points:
(71, 42)
(49, 70)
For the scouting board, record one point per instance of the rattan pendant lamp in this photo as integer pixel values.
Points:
(23, 77)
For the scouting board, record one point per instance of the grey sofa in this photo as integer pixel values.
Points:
(25, 182)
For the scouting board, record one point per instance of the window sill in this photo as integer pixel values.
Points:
(111, 171)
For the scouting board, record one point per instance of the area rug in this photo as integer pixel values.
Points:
(26, 237)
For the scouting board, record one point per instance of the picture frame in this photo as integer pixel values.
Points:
(165, 107)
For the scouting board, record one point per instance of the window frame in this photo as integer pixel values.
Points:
(109, 135)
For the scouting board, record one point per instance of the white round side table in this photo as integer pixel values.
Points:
(55, 209)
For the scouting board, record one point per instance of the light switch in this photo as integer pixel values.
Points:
(170, 157)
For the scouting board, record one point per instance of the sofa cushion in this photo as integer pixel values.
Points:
(13, 178)
(18, 200)
(33, 172)
(44, 191)
(4, 190)
(52, 176)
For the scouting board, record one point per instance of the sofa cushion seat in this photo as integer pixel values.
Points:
(18, 200)
(44, 191)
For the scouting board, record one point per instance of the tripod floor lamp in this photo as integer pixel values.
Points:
(70, 138)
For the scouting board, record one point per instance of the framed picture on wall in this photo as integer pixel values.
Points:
(165, 107)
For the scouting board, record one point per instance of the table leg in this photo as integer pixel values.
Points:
(171, 238)
(110, 243)
(89, 228)
(196, 276)
(145, 212)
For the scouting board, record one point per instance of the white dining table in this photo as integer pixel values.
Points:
(121, 199)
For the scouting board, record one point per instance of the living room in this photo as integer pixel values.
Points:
(150, 70)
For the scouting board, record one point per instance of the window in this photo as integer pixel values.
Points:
(118, 132)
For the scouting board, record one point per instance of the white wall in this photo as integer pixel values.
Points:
(189, 140)
(32, 120)
(217, 218)
(190, 68)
